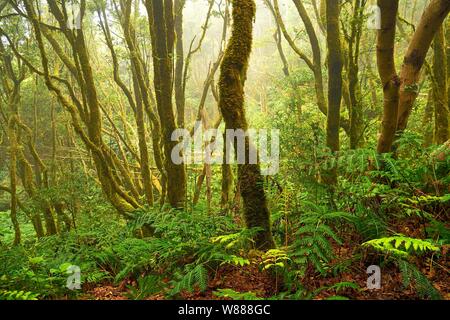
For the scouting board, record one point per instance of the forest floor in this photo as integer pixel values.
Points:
(265, 284)
(251, 279)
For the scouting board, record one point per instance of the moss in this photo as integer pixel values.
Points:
(231, 85)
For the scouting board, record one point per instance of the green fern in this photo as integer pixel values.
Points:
(146, 286)
(313, 246)
(275, 258)
(18, 295)
(412, 276)
(401, 246)
(231, 294)
(195, 276)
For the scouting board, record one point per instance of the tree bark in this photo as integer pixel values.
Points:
(179, 66)
(431, 20)
(231, 85)
(161, 19)
(388, 74)
(441, 112)
(335, 66)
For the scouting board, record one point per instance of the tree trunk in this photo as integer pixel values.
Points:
(441, 112)
(431, 20)
(231, 85)
(161, 19)
(179, 66)
(388, 74)
(13, 178)
(334, 82)
(356, 108)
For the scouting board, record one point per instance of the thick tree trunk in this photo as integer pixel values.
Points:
(231, 85)
(431, 20)
(388, 73)
(447, 52)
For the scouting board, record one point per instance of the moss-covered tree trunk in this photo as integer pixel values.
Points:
(432, 19)
(388, 74)
(356, 107)
(162, 29)
(441, 113)
(447, 53)
(335, 65)
(179, 66)
(12, 132)
(231, 86)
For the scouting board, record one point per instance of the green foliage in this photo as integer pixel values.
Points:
(341, 286)
(233, 295)
(146, 287)
(193, 277)
(402, 246)
(312, 242)
(18, 295)
(439, 231)
(412, 276)
(275, 258)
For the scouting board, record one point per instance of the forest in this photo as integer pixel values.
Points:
(224, 150)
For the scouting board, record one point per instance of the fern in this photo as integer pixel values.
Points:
(18, 295)
(231, 294)
(401, 246)
(236, 240)
(411, 275)
(195, 276)
(234, 260)
(313, 246)
(146, 286)
(274, 258)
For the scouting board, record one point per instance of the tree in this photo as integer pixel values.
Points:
(352, 56)
(314, 64)
(162, 31)
(335, 66)
(388, 74)
(440, 88)
(431, 20)
(429, 24)
(231, 88)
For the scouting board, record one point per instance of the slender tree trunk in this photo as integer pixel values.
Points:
(13, 178)
(427, 123)
(161, 19)
(146, 174)
(356, 108)
(227, 179)
(335, 65)
(317, 55)
(179, 67)
(231, 85)
(441, 112)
